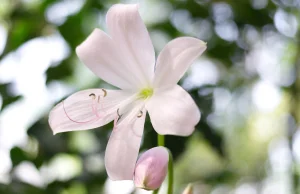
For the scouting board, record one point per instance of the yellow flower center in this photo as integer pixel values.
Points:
(146, 93)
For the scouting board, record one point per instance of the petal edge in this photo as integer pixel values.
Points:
(123, 148)
(100, 54)
(127, 29)
(86, 109)
(175, 59)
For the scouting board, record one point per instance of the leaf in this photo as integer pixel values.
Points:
(7, 97)
(17, 156)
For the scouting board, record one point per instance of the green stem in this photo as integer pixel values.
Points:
(160, 140)
(155, 191)
(170, 174)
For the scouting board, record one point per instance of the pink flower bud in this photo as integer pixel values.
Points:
(188, 189)
(151, 168)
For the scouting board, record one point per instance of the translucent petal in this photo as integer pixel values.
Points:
(130, 34)
(101, 55)
(175, 59)
(123, 147)
(86, 109)
(173, 111)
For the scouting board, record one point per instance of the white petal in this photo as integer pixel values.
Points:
(175, 58)
(123, 148)
(130, 34)
(100, 54)
(173, 111)
(86, 109)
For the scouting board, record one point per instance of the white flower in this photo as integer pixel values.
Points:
(125, 58)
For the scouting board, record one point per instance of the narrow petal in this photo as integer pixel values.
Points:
(123, 148)
(127, 29)
(175, 58)
(101, 55)
(173, 111)
(86, 109)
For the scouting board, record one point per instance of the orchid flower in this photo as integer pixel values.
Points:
(125, 58)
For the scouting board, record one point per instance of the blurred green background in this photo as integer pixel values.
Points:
(247, 86)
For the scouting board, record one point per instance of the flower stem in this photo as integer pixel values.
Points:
(160, 140)
(170, 174)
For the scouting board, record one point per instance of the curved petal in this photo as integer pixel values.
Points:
(123, 148)
(100, 54)
(127, 29)
(173, 112)
(175, 58)
(86, 109)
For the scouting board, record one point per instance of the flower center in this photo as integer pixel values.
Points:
(146, 93)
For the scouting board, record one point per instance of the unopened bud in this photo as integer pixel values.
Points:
(188, 189)
(151, 168)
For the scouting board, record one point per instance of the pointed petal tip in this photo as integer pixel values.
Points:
(188, 189)
(198, 115)
(50, 123)
(191, 132)
(80, 47)
(199, 42)
(202, 43)
(77, 49)
(52, 118)
(55, 132)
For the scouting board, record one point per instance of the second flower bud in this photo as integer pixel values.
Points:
(151, 168)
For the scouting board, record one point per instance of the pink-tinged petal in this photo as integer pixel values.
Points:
(101, 55)
(127, 29)
(173, 111)
(151, 168)
(175, 59)
(86, 109)
(123, 148)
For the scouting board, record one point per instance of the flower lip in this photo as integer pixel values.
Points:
(145, 93)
